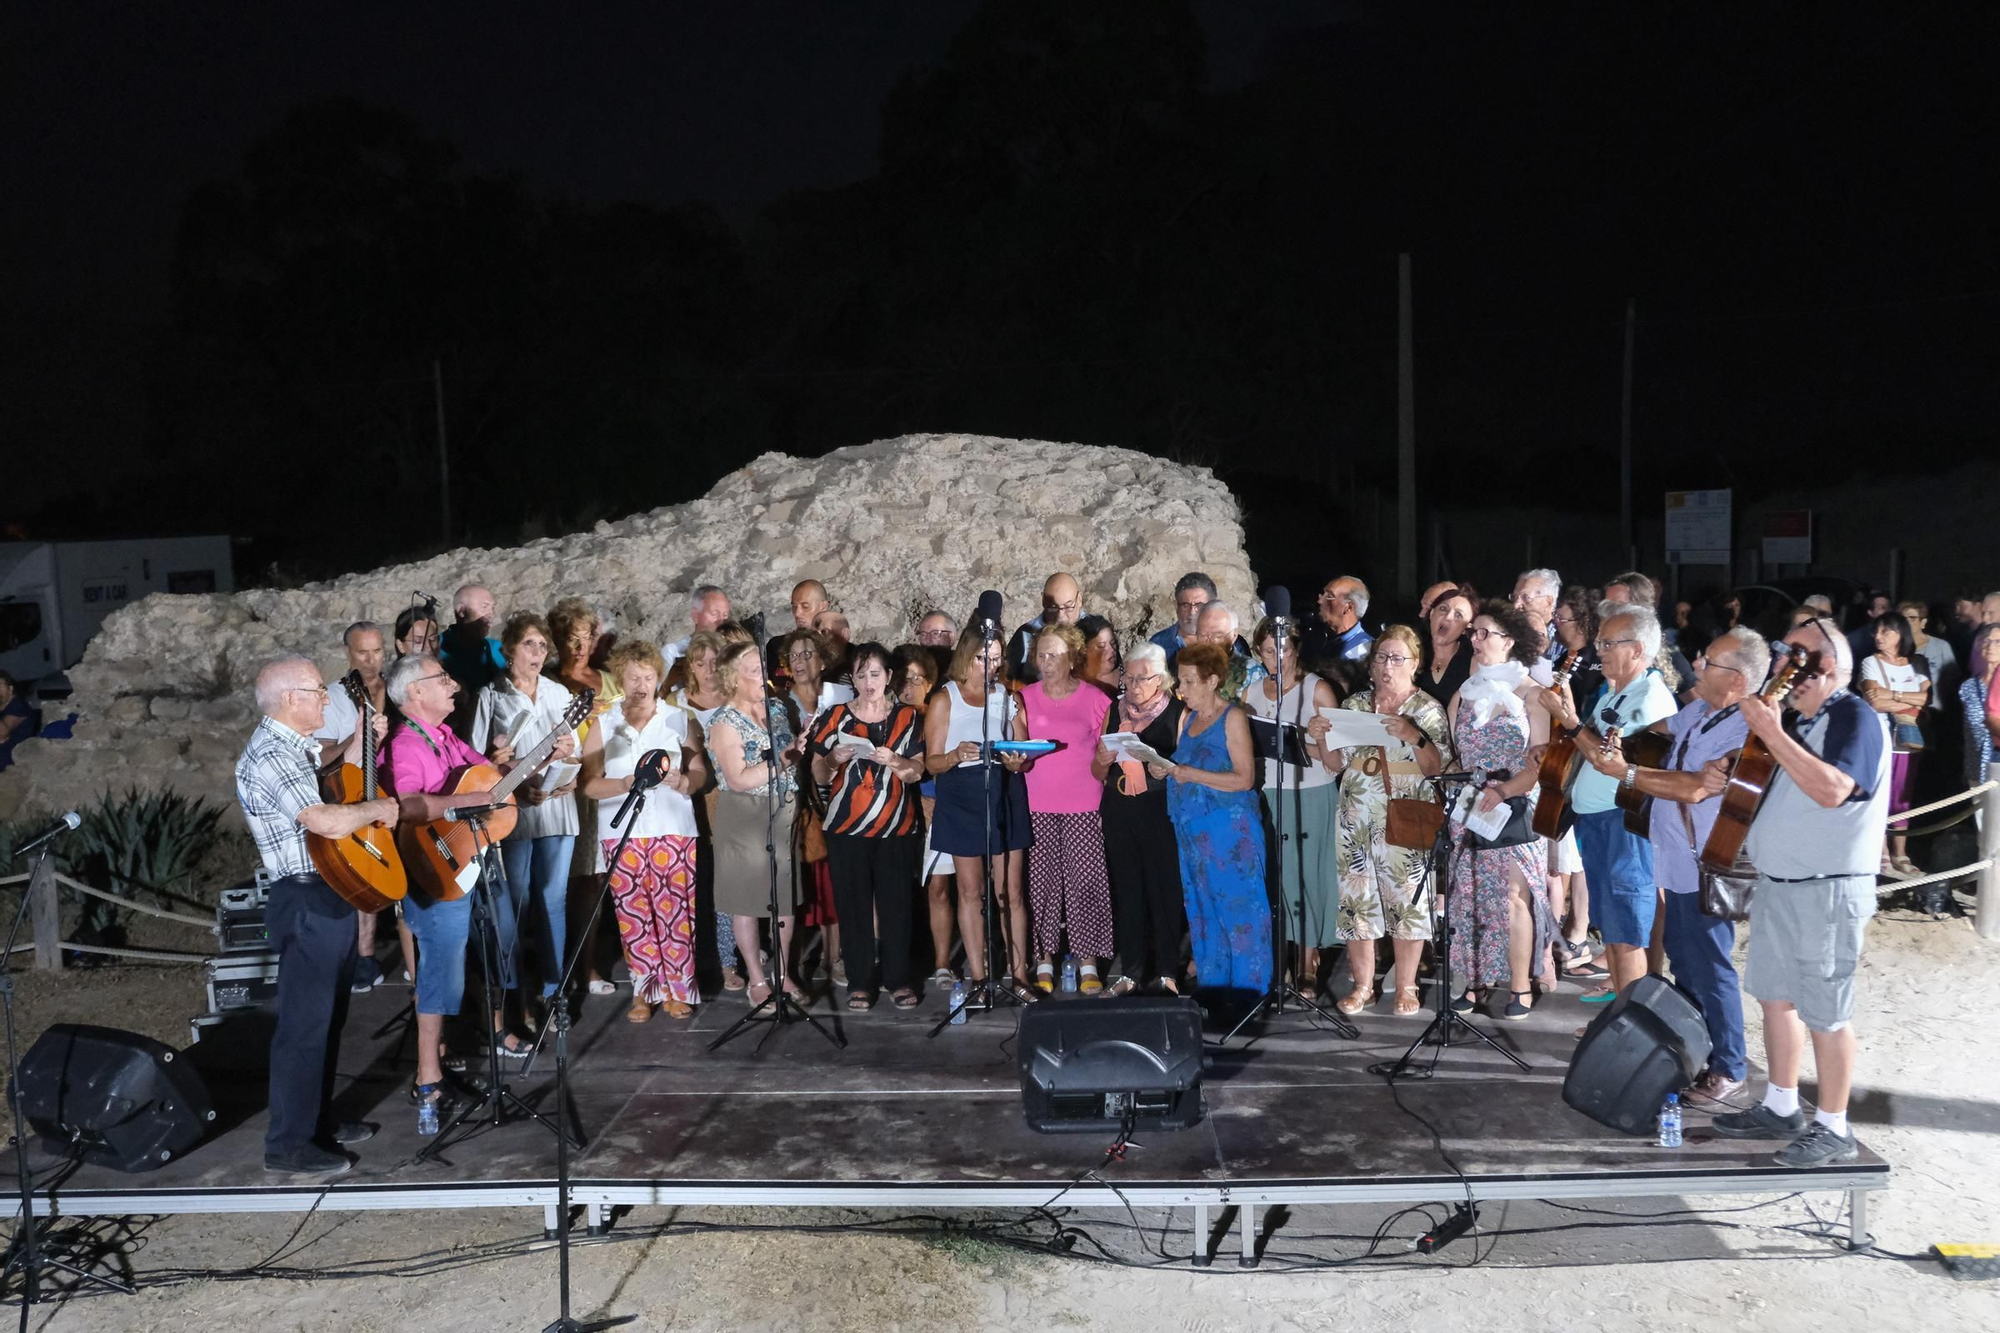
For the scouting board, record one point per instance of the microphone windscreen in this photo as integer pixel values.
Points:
(1278, 601)
(989, 607)
(73, 819)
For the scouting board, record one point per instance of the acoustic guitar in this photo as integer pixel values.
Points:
(1755, 769)
(1560, 761)
(364, 867)
(442, 854)
(1645, 749)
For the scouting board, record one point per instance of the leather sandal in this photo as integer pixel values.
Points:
(639, 1012)
(1356, 1000)
(677, 1008)
(1408, 1002)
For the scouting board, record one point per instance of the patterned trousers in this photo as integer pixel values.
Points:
(1068, 886)
(652, 895)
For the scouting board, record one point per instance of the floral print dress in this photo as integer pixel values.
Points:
(1384, 888)
(1481, 878)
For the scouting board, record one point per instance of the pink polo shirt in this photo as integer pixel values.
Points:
(1061, 783)
(419, 760)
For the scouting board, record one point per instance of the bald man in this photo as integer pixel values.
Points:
(809, 598)
(469, 652)
(1062, 604)
(311, 927)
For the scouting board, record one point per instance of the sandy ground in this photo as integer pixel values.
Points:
(1929, 1101)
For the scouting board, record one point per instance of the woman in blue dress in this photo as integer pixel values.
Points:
(1218, 825)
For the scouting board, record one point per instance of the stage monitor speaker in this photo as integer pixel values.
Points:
(1648, 1042)
(115, 1098)
(1092, 1066)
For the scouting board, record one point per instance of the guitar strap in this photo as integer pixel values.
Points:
(410, 724)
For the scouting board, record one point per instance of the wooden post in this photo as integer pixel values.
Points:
(45, 916)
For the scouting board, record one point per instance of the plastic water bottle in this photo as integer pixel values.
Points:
(1069, 975)
(1670, 1121)
(957, 1002)
(427, 1118)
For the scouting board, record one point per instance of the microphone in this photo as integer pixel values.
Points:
(755, 624)
(1278, 602)
(652, 771)
(460, 814)
(66, 824)
(988, 615)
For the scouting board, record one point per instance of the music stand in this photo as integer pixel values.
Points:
(991, 993)
(489, 1110)
(1439, 1031)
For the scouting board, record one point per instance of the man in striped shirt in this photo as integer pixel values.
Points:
(310, 925)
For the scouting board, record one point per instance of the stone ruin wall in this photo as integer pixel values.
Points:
(892, 528)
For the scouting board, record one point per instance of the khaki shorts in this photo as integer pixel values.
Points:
(1805, 943)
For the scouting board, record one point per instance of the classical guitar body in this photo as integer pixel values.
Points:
(1750, 780)
(442, 854)
(1648, 749)
(1560, 765)
(364, 867)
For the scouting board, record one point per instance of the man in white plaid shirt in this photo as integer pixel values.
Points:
(310, 925)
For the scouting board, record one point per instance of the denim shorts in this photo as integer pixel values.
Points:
(1619, 868)
(441, 930)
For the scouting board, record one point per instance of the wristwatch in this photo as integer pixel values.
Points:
(1631, 778)
(1422, 740)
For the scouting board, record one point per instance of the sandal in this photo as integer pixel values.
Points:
(904, 998)
(732, 979)
(1123, 986)
(1090, 983)
(1516, 1011)
(803, 999)
(517, 1051)
(1602, 995)
(639, 1012)
(754, 997)
(599, 986)
(1355, 1000)
(1045, 978)
(677, 1008)
(1166, 986)
(944, 978)
(860, 1001)
(1408, 1004)
(1587, 966)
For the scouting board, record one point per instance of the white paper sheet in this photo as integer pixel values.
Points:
(1352, 728)
(1127, 745)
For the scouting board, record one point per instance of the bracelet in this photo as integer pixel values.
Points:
(1631, 779)
(1423, 741)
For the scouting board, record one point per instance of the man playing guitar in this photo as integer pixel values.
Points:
(422, 755)
(1617, 863)
(1816, 845)
(365, 652)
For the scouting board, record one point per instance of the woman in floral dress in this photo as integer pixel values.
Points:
(1499, 896)
(1384, 889)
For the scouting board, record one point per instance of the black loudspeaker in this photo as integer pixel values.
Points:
(116, 1098)
(1097, 1065)
(1648, 1042)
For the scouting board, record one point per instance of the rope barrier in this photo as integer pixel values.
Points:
(1895, 886)
(1965, 795)
(157, 955)
(205, 923)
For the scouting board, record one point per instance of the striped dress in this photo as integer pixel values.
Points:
(874, 845)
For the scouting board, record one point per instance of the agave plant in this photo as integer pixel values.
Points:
(141, 842)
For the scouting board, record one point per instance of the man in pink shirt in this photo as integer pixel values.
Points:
(419, 759)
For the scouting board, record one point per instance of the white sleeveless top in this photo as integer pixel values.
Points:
(1299, 709)
(668, 814)
(1001, 705)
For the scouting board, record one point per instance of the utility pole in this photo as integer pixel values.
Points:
(1625, 439)
(1406, 439)
(444, 451)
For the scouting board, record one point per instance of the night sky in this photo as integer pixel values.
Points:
(1167, 226)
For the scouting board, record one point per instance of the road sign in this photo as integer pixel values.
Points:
(1698, 527)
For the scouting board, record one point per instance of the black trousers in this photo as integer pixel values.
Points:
(872, 879)
(1148, 915)
(312, 928)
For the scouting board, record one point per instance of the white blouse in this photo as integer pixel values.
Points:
(503, 710)
(668, 814)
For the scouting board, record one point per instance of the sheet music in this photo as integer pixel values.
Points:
(1351, 728)
(1127, 745)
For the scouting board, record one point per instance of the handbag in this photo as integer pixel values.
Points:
(1908, 736)
(1414, 822)
(1518, 831)
(1724, 894)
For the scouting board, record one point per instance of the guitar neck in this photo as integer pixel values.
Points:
(525, 768)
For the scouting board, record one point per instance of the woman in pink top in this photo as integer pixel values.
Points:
(1068, 888)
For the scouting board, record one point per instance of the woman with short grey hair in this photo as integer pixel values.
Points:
(1149, 912)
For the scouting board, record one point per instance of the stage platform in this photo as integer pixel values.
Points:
(897, 1119)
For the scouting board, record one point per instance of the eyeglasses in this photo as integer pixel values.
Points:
(1564, 620)
(1704, 661)
(1391, 660)
(1190, 603)
(435, 675)
(320, 690)
(1062, 606)
(1606, 645)
(1481, 635)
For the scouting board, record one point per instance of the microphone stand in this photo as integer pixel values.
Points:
(1439, 1032)
(782, 1007)
(492, 1107)
(26, 1252)
(1275, 999)
(990, 994)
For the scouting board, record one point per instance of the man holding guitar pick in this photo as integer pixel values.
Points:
(1816, 843)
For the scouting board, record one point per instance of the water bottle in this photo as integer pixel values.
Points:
(427, 1118)
(1670, 1121)
(1069, 975)
(958, 1002)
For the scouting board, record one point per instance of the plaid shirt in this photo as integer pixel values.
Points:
(277, 779)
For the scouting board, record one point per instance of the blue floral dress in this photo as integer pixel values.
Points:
(1220, 835)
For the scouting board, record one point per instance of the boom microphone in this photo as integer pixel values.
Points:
(650, 773)
(988, 614)
(1278, 601)
(65, 824)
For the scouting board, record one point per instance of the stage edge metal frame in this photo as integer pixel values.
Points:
(599, 1197)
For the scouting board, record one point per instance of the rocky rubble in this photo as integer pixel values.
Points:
(892, 528)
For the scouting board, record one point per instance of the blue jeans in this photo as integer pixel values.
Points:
(1698, 950)
(538, 872)
(1619, 867)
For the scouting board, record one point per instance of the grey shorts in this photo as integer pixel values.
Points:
(1805, 943)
